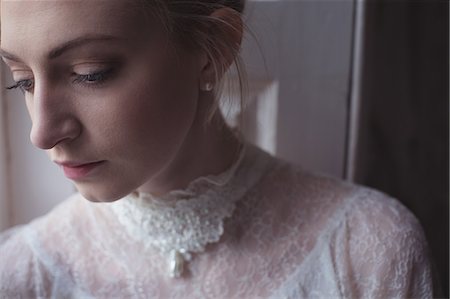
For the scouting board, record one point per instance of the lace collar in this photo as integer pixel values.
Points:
(183, 222)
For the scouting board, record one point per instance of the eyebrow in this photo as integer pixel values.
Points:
(68, 45)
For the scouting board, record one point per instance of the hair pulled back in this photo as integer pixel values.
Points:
(190, 24)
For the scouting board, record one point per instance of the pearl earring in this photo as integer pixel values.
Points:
(208, 86)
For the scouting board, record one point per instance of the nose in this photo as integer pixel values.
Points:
(53, 118)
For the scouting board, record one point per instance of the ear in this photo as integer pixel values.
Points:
(227, 35)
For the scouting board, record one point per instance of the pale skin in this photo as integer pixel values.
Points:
(144, 121)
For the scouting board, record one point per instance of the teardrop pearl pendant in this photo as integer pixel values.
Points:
(176, 264)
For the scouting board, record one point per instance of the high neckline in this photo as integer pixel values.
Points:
(183, 222)
(196, 186)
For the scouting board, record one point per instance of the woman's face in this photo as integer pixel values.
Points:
(100, 86)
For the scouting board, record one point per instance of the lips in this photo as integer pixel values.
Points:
(74, 170)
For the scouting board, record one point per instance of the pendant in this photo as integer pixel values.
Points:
(176, 264)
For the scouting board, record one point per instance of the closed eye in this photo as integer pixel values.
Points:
(23, 85)
(93, 78)
(96, 78)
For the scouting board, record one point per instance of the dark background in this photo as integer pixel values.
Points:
(405, 115)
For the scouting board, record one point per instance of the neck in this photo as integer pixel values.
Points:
(207, 149)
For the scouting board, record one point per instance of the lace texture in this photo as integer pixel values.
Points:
(291, 234)
(183, 221)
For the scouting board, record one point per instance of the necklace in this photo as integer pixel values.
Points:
(183, 222)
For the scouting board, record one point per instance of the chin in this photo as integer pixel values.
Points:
(101, 194)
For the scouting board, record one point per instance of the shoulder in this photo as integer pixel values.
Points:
(24, 264)
(370, 210)
(18, 264)
(363, 212)
(374, 222)
(59, 220)
(387, 251)
(316, 192)
(375, 244)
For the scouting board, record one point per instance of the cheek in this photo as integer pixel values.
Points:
(147, 118)
(138, 127)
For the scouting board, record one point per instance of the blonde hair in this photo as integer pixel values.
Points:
(190, 24)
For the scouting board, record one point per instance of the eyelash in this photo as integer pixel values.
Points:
(85, 78)
(101, 76)
(21, 85)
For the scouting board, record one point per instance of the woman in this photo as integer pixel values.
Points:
(173, 203)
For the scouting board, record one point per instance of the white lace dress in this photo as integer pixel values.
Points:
(262, 229)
